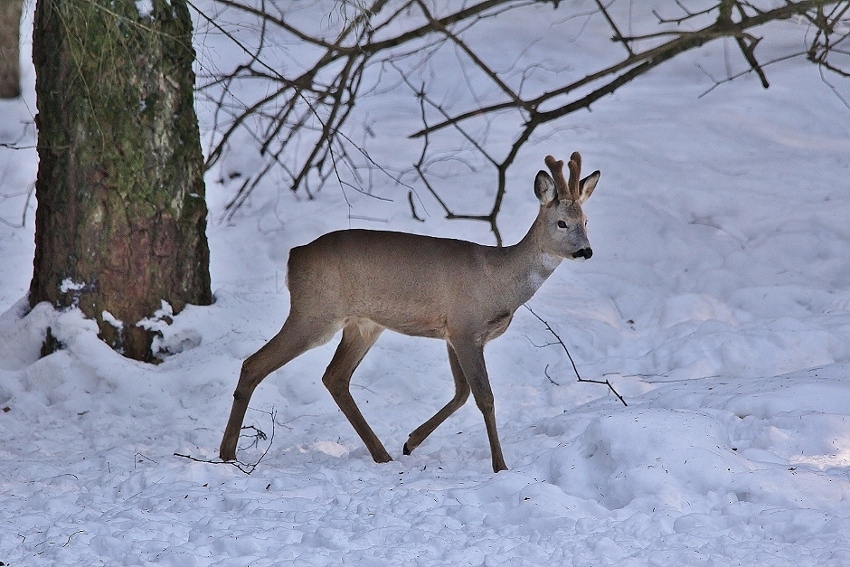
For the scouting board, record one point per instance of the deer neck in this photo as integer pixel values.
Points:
(530, 264)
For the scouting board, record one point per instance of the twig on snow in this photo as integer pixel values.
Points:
(67, 543)
(247, 468)
(605, 382)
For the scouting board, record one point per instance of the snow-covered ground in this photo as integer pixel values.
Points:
(717, 302)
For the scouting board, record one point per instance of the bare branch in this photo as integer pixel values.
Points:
(637, 64)
(475, 59)
(29, 195)
(300, 125)
(617, 35)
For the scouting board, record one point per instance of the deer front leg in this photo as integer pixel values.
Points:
(294, 338)
(357, 338)
(461, 395)
(470, 355)
(241, 398)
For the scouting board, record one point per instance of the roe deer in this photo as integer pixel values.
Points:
(364, 281)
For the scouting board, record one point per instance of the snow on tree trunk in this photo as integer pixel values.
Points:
(121, 217)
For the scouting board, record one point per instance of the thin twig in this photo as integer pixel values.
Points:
(549, 328)
(67, 543)
(618, 36)
(246, 468)
(413, 207)
(29, 193)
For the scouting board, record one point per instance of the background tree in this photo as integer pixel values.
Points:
(121, 217)
(10, 53)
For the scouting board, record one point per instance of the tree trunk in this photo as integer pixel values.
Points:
(10, 48)
(121, 218)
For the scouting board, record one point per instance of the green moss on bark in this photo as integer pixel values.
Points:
(10, 53)
(120, 191)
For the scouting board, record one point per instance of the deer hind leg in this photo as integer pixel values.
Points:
(470, 355)
(298, 335)
(461, 395)
(358, 336)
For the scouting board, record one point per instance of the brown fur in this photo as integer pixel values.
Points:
(364, 281)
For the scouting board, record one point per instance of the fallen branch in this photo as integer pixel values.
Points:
(569, 356)
(247, 468)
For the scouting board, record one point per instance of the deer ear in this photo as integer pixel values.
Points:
(544, 188)
(587, 185)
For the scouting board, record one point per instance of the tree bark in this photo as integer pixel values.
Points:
(121, 217)
(10, 48)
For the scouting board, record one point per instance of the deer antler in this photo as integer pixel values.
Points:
(566, 190)
(556, 166)
(575, 175)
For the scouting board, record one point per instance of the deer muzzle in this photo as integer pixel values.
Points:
(583, 254)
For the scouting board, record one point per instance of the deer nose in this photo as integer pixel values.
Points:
(585, 253)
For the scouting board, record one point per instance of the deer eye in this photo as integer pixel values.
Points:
(562, 224)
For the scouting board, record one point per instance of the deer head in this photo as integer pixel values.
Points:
(560, 207)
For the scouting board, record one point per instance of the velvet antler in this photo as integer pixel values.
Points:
(566, 189)
(575, 175)
(556, 166)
